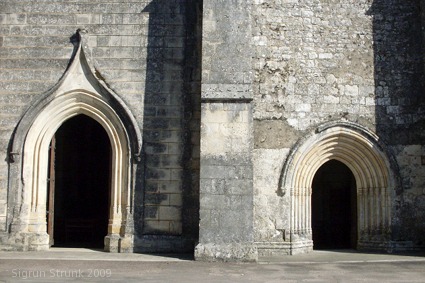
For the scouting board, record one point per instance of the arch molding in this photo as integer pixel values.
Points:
(360, 150)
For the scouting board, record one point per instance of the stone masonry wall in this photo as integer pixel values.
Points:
(314, 63)
(140, 49)
(317, 61)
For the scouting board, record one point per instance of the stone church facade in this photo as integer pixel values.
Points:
(230, 129)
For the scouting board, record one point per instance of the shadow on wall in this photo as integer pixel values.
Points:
(399, 71)
(400, 97)
(167, 204)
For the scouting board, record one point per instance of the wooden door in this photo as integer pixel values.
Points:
(51, 191)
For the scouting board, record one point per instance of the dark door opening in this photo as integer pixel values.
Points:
(334, 207)
(81, 186)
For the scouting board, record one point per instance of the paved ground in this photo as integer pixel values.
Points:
(79, 265)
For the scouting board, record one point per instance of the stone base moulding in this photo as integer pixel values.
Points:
(242, 252)
(284, 248)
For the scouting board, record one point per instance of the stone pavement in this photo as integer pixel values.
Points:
(84, 265)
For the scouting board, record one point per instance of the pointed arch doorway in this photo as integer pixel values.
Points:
(79, 184)
(35, 169)
(334, 207)
(79, 92)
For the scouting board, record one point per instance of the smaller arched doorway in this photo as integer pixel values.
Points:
(334, 207)
(360, 150)
(79, 184)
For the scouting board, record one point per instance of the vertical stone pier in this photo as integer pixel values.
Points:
(226, 173)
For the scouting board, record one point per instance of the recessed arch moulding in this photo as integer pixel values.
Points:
(374, 172)
(77, 93)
